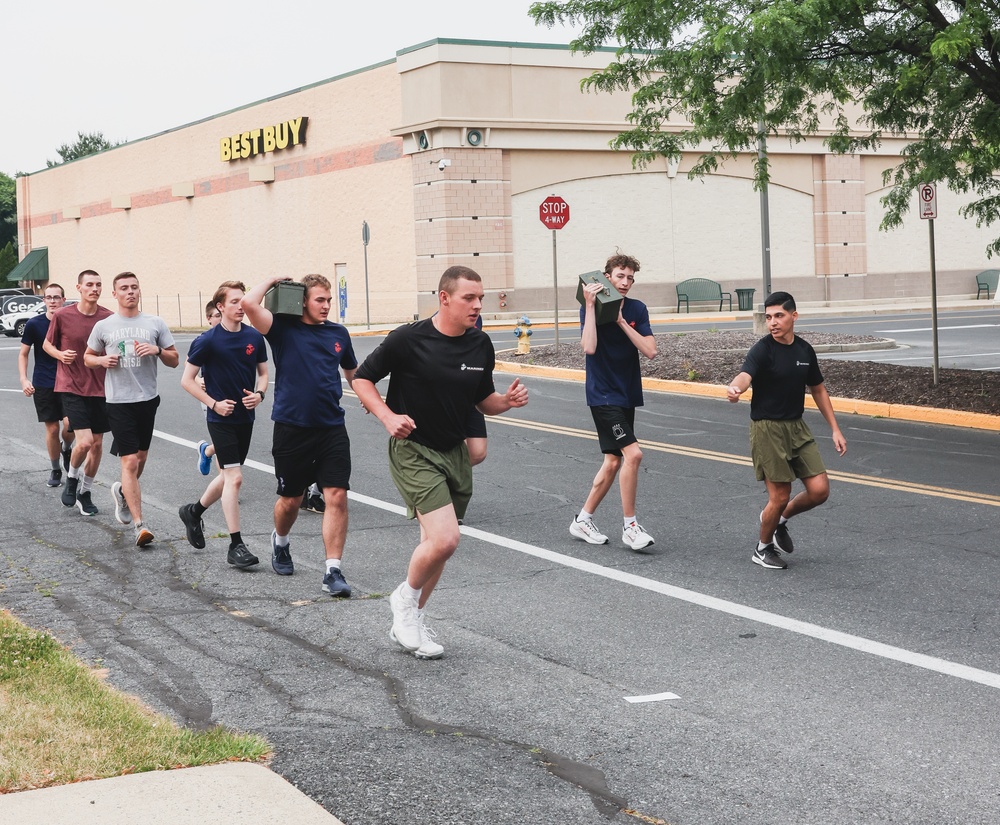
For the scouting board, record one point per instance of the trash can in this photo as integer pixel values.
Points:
(745, 298)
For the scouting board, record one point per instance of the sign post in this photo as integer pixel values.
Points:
(366, 235)
(553, 212)
(927, 193)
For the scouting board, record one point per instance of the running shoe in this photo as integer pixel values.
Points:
(143, 536)
(281, 557)
(85, 505)
(69, 491)
(313, 502)
(769, 558)
(635, 537)
(240, 556)
(194, 527)
(405, 630)
(587, 531)
(204, 460)
(55, 478)
(122, 513)
(335, 584)
(429, 647)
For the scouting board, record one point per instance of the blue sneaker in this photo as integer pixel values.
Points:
(204, 461)
(281, 557)
(336, 585)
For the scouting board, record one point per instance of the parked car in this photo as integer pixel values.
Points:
(18, 313)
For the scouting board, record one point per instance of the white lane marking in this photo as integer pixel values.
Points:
(823, 634)
(929, 329)
(653, 697)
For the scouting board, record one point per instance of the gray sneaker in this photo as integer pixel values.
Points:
(122, 513)
(769, 558)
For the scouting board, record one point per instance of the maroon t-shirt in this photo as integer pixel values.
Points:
(70, 329)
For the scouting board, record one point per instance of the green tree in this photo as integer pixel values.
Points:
(87, 143)
(8, 260)
(926, 71)
(8, 210)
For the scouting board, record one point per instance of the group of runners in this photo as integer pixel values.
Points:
(104, 379)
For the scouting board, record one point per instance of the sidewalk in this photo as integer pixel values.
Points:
(240, 792)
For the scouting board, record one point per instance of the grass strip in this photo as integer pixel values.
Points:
(60, 723)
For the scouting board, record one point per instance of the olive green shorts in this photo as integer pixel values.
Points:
(429, 479)
(784, 450)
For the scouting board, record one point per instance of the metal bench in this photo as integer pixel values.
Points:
(987, 281)
(702, 289)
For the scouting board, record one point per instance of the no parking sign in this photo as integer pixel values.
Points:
(928, 201)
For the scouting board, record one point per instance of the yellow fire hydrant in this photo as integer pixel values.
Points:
(523, 334)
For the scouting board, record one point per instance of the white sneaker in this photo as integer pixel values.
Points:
(587, 531)
(429, 649)
(635, 537)
(405, 629)
(122, 513)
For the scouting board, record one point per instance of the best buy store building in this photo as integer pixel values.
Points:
(447, 153)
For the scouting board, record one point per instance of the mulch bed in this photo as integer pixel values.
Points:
(716, 357)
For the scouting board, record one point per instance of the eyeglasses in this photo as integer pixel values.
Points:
(52, 297)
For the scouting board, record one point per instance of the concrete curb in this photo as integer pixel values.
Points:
(242, 792)
(852, 406)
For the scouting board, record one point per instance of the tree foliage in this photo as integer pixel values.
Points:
(8, 210)
(8, 260)
(87, 143)
(856, 71)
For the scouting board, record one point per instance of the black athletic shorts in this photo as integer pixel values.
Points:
(615, 427)
(232, 442)
(48, 404)
(86, 412)
(303, 455)
(132, 426)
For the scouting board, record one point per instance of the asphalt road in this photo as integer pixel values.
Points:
(686, 685)
(967, 339)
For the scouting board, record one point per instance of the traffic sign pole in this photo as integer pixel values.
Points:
(555, 286)
(366, 235)
(553, 212)
(927, 195)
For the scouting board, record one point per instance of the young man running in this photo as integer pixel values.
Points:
(41, 386)
(206, 450)
(439, 368)
(233, 359)
(780, 366)
(82, 389)
(310, 441)
(614, 390)
(127, 347)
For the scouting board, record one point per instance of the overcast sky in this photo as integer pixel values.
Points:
(131, 69)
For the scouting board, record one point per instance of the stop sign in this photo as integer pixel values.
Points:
(554, 212)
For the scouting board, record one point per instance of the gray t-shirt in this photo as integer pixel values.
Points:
(134, 379)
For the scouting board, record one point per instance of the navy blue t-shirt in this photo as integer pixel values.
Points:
(228, 361)
(44, 373)
(613, 374)
(307, 363)
(780, 374)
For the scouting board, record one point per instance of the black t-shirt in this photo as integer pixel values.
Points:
(435, 379)
(781, 373)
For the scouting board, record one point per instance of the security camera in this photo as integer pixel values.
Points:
(443, 164)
